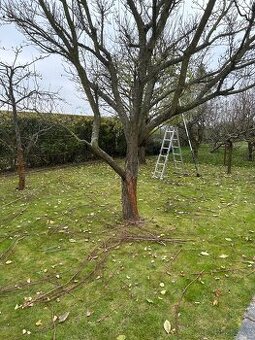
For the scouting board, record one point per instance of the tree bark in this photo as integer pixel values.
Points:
(129, 199)
(21, 168)
(20, 154)
(142, 155)
(195, 146)
(225, 155)
(129, 182)
(250, 150)
(19, 148)
(229, 158)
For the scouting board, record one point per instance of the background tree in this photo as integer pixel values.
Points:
(19, 91)
(232, 120)
(120, 50)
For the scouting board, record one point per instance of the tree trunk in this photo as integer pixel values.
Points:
(21, 168)
(229, 158)
(141, 154)
(129, 182)
(225, 155)
(129, 199)
(19, 148)
(195, 149)
(250, 151)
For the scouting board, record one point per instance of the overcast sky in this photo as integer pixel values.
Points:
(51, 69)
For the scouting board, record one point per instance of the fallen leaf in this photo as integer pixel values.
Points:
(62, 318)
(38, 323)
(54, 318)
(167, 326)
(88, 313)
(163, 292)
(121, 337)
(149, 300)
(8, 262)
(162, 284)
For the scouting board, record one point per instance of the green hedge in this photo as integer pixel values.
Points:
(47, 142)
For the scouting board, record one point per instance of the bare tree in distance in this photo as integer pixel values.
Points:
(19, 92)
(232, 120)
(136, 57)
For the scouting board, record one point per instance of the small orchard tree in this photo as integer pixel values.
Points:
(19, 91)
(232, 121)
(121, 50)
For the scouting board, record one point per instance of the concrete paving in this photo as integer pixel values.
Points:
(247, 330)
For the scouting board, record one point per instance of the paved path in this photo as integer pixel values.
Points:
(247, 331)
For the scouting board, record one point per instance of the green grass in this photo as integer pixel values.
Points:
(240, 155)
(118, 287)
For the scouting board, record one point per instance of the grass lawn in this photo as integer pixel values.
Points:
(71, 270)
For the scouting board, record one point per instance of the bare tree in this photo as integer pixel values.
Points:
(19, 91)
(232, 121)
(136, 56)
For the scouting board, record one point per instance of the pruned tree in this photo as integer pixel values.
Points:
(19, 91)
(121, 50)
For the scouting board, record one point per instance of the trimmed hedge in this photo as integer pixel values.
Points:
(47, 142)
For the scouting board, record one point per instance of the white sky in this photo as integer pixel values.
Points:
(51, 69)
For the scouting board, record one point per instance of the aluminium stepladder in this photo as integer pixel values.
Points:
(171, 142)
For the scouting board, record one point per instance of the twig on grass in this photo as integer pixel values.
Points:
(53, 325)
(71, 284)
(100, 254)
(9, 203)
(7, 252)
(178, 305)
(216, 271)
(172, 259)
(127, 236)
(12, 217)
